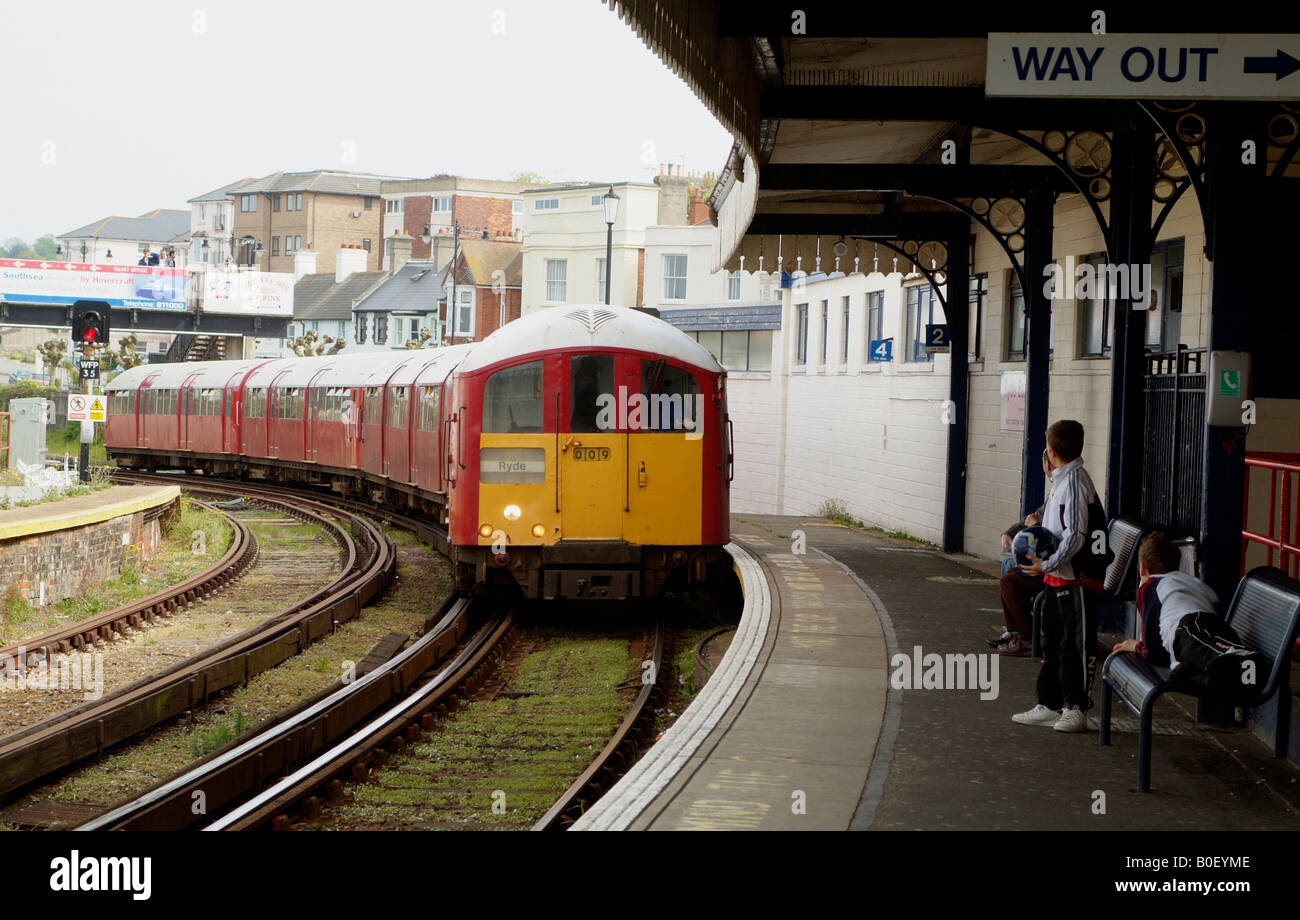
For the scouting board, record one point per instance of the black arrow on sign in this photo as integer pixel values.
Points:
(1283, 65)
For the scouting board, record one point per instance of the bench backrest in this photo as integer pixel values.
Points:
(1124, 534)
(1265, 613)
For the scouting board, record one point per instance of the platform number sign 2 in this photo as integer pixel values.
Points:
(881, 350)
(936, 337)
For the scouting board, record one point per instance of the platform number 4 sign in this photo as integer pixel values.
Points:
(936, 337)
(881, 350)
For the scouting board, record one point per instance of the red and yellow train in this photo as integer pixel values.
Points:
(578, 452)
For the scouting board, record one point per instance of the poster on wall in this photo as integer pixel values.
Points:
(1013, 401)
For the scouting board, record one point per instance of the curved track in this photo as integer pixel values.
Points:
(369, 563)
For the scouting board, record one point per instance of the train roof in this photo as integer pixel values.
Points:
(173, 376)
(599, 327)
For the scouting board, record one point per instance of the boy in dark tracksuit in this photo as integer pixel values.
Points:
(1073, 581)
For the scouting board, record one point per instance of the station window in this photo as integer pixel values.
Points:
(600, 281)
(826, 306)
(428, 420)
(801, 334)
(546, 204)
(670, 398)
(374, 406)
(739, 349)
(1094, 314)
(590, 377)
(442, 203)
(920, 313)
(979, 292)
(875, 318)
(733, 285)
(844, 331)
(1017, 324)
(512, 399)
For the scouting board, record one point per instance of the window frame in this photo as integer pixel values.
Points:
(801, 335)
(562, 281)
(916, 351)
(674, 278)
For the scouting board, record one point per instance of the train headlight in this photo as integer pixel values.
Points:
(539, 531)
(485, 530)
(512, 513)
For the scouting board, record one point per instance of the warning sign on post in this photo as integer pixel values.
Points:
(84, 407)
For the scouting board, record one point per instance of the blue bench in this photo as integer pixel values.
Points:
(1265, 613)
(1123, 535)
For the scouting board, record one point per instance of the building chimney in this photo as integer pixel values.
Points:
(399, 250)
(674, 200)
(350, 259)
(304, 263)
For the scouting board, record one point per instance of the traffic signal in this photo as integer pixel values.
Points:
(90, 322)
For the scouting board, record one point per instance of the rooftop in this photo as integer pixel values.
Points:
(415, 288)
(318, 297)
(158, 226)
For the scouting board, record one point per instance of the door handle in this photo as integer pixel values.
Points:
(640, 476)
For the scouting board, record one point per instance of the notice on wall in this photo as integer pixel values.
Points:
(1013, 401)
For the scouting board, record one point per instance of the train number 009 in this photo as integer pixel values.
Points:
(591, 453)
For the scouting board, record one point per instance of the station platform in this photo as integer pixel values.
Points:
(813, 736)
(83, 510)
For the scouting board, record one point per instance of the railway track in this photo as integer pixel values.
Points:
(317, 741)
(368, 566)
(603, 771)
(123, 621)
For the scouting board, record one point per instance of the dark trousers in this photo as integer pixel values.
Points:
(1018, 593)
(1069, 643)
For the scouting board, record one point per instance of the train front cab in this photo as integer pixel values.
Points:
(598, 474)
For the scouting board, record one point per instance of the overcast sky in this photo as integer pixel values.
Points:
(116, 108)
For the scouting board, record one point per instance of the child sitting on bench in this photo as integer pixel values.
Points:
(1180, 628)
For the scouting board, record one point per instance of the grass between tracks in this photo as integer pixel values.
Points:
(501, 763)
(423, 581)
(181, 554)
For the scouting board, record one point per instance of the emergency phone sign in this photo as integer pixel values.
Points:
(1136, 66)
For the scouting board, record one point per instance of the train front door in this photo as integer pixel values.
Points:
(592, 452)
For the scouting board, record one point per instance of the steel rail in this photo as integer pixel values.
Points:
(33, 753)
(586, 788)
(247, 764)
(273, 804)
(123, 620)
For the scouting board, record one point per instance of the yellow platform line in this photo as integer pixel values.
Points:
(49, 518)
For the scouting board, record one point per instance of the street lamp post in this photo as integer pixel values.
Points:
(610, 201)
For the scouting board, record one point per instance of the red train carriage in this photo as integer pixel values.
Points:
(578, 452)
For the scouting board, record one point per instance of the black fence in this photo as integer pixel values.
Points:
(1174, 449)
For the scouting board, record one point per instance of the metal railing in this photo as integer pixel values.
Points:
(1281, 536)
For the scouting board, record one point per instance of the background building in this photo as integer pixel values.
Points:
(123, 240)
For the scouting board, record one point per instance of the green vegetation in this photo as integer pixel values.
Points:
(25, 389)
(837, 511)
(219, 734)
(67, 440)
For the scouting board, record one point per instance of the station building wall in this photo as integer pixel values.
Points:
(872, 434)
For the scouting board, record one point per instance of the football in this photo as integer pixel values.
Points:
(1033, 541)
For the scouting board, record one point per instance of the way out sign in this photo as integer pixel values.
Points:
(83, 407)
(1134, 66)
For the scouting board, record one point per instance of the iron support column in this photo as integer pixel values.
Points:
(957, 314)
(1039, 218)
(1129, 244)
(1235, 194)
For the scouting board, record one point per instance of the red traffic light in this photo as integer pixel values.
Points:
(90, 334)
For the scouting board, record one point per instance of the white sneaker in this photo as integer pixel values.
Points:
(1072, 720)
(1039, 715)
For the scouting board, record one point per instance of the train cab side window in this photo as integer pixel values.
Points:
(670, 394)
(589, 377)
(512, 400)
